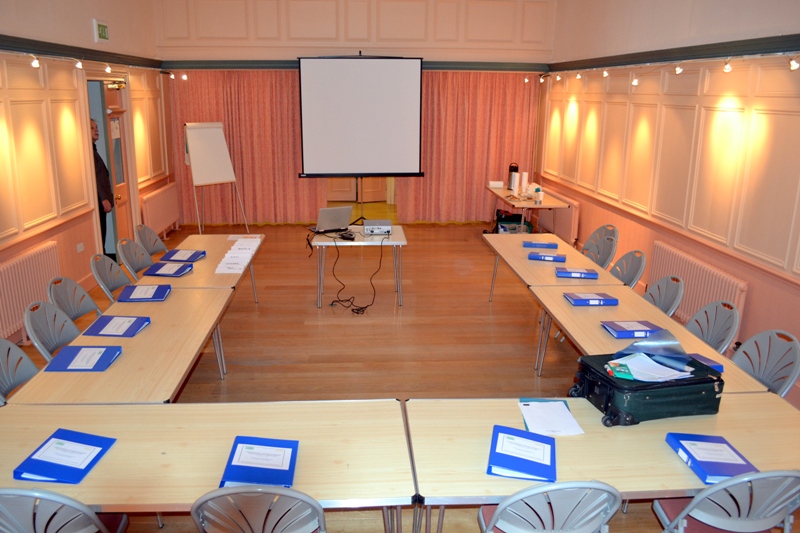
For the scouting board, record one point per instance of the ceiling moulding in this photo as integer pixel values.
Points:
(295, 64)
(749, 47)
(43, 48)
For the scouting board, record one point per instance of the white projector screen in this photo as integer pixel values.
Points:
(361, 116)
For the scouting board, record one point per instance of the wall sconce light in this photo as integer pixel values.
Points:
(542, 77)
(526, 79)
(678, 69)
(727, 67)
(558, 77)
(184, 77)
(108, 68)
(578, 76)
(793, 64)
(35, 62)
(605, 73)
(78, 64)
(635, 81)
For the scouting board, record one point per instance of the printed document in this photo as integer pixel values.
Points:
(118, 325)
(529, 450)
(714, 452)
(549, 418)
(86, 358)
(169, 268)
(262, 456)
(64, 452)
(142, 292)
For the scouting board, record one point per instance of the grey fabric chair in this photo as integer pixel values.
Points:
(266, 509)
(15, 368)
(134, 256)
(70, 297)
(747, 503)
(666, 294)
(37, 511)
(716, 323)
(149, 240)
(601, 245)
(109, 275)
(772, 357)
(49, 328)
(629, 268)
(577, 507)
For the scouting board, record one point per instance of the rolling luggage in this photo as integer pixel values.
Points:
(626, 402)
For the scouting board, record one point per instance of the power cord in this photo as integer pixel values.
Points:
(350, 303)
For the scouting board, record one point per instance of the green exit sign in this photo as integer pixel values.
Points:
(100, 31)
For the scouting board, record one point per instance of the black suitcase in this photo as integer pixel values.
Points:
(625, 402)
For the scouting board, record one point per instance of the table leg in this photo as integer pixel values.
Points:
(253, 280)
(398, 273)
(320, 273)
(521, 228)
(393, 519)
(494, 276)
(215, 336)
(544, 336)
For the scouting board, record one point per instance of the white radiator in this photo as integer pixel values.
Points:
(702, 283)
(23, 280)
(562, 222)
(160, 208)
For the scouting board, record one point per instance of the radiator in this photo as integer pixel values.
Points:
(23, 280)
(562, 222)
(160, 208)
(702, 283)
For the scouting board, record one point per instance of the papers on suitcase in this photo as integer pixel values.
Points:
(641, 367)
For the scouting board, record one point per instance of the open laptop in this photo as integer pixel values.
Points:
(333, 219)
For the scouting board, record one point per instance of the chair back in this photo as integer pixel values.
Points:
(134, 256)
(149, 240)
(629, 268)
(574, 507)
(666, 294)
(49, 328)
(109, 275)
(772, 357)
(15, 368)
(716, 323)
(747, 503)
(267, 509)
(70, 297)
(34, 511)
(601, 245)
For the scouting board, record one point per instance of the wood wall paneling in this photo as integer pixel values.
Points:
(491, 21)
(674, 162)
(590, 145)
(267, 17)
(641, 151)
(535, 24)
(175, 19)
(221, 20)
(571, 138)
(357, 20)
(552, 151)
(312, 20)
(687, 83)
(402, 21)
(8, 209)
(447, 20)
(612, 165)
(32, 157)
(68, 152)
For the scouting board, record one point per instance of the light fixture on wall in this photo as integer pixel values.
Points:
(108, 68)
(678, 69)
(793, 64)
(578, 76)
(542, 77)
(635, 81)
(605, 73)
(558, 77)
(184, 77)
(35, 62)
(727, 67)
(78, 64)
(526, 79)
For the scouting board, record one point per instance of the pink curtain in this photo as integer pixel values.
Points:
(474, 124)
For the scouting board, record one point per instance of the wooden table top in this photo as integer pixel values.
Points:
(508, 246)
(203, 274)
(507, 196)
(153, 364)
(396, 238)
(352, 453)
(451, 441)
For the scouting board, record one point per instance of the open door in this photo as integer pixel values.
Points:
(119, 178)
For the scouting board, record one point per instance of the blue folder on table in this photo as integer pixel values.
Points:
(630, 329)
(260, 461)
(590, 298)
(533, 244)
(585, 273)
(65, 457)
(521, 454)
(117, 326)
(711, 457)
(186, 256)
(556, 258)
(144, 293)
(172, 270)
(83, 358)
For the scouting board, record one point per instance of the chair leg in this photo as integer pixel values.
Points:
(160, 522)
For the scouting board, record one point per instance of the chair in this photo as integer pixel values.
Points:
(109, 275)
(752, 502)
(134, 256)
(49, 328)
(71, 298)
(772, 357)
(666, 294)
(575, 506)
(261, 508)
(716, 323)
(149, 240)
(35, 511)
(629, 268)
(15, 368)
(601, 245)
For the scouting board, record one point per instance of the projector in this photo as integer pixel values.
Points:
(377, 227)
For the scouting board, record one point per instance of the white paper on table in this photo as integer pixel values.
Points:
(229, 268)
(67, 453)
(262, 456)
(118, 325)
(143, 292)
(551, 418)
(86, 358)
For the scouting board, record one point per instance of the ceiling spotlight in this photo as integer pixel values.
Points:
(793, 64)
(184, 77)
(108, 69)
(635, 81)
(605, 73)
(727, 67)
(79, 64)
(578, 76)
(678, 69)
(558, 77)
(35, 62)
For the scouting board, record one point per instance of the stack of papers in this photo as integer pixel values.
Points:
(549, 417)
(640, 367)
(239, 256)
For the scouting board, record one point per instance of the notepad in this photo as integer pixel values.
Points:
(186, 256)
(83, 358)
(556, 258)
(65, 457)
(260, 461)
(630, 329)
(711, 457)
(117, 326)
(144, 293)
(522, 454)
(533, 244)
(585, 273)
(173, 270)
(590, 298)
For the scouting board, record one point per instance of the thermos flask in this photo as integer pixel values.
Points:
(513, 177)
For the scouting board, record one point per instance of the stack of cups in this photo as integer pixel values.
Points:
(523, 184)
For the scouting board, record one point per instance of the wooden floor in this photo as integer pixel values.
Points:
(447, 340)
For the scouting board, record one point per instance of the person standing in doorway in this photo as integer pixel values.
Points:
(105, 195)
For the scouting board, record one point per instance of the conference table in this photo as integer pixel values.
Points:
(352, 454)
(510, 198)
(153, 364)
(397, 239)
(451, 441)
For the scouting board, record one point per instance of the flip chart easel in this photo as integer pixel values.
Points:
(207, 154)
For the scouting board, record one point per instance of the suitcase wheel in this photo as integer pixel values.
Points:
(576, 391)
(608, 420)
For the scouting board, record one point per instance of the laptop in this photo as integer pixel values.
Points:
(333, 219)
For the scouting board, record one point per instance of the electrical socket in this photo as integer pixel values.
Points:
(80, 247)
